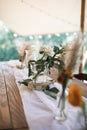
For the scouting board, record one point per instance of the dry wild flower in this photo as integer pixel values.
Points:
(75, 95)
(72, 54)
(23, 47)
(48, 51)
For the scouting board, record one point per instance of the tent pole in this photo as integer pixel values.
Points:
(82, 20)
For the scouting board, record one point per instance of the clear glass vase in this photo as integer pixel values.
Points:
(60, 114)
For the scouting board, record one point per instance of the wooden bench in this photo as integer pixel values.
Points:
(11, 108)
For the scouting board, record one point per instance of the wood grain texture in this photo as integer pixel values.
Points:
(5, 121)
(15, 129)
(23, 129)
(17, 116)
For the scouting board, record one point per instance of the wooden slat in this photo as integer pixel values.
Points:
(23, 129)
(16, 107)
(5, 121)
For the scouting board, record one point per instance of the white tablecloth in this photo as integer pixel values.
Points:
(40, 109)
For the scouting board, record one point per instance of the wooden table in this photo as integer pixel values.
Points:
(11, 108)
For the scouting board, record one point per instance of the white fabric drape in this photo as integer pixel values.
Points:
(40, 109)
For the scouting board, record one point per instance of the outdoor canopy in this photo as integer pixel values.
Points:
(33, 17)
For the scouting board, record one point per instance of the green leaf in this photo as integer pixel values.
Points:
(41, 52)
(49, 58)
(56, 49)
(25, 82)
(29, 70)
(53, 95)
(51, 92)
(55, 90)
(83, 107)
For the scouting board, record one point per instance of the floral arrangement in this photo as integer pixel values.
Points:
(27, 51)
(22, 50)
(64, 58)
(63, 78)
(75, 95)
(71, 58)
(48, 58)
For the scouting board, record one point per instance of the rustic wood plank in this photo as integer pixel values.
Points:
(22, 129)
(15, 129)
(15, 103)
(5, 121)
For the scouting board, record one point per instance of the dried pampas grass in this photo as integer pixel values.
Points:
(72, 53)
(24, 46)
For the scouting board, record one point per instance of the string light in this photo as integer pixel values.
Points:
(31, 37)
(6, 30)
(58, 35)
(49, 36)
(15, 35)
(67, 34)
(74, 33)
(40, 36)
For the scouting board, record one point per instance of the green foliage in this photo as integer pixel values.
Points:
(25, 82)
(83, 107)
(51, 91)
(46, 61)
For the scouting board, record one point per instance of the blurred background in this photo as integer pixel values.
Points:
(49, 22)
